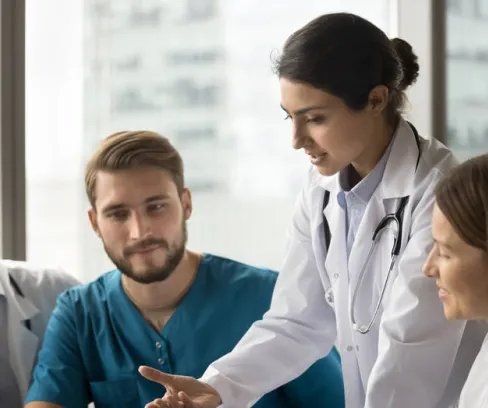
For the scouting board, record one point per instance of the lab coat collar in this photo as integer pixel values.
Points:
(22, 306)
(26, 310)
(398, 177)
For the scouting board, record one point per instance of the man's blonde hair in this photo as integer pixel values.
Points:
(132, 149)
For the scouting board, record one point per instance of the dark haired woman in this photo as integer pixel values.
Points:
(361, 231)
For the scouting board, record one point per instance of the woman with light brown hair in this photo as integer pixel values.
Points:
(459, 259)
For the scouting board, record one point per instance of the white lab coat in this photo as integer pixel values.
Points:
(475, 391)
(412, 357)
(40, 288)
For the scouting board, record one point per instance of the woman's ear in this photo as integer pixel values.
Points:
(378, 99)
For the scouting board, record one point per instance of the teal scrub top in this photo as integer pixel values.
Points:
(96, 339)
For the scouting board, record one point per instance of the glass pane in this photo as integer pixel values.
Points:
(197, 71)
(467, 76)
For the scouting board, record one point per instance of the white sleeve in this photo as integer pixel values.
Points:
(417, 345)
(298, 329)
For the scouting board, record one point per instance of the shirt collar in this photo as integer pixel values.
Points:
(366, 187)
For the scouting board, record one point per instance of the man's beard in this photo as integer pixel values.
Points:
(174, 255)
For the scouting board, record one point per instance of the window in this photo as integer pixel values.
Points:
(467, 77)
(197, 71)
(201, 9)
(198, 57)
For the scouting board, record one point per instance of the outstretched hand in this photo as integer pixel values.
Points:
(181, 391)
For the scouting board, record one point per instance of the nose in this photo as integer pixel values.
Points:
(139, 226)
(298, 139)
(430, 268)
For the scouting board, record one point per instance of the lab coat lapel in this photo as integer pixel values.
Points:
(397, 182)
(336, 256)
(375, 211)
(23, 343)
(399, 175)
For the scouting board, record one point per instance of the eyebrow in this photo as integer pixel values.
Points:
(159, 197)
(443, 243)
(305, 110)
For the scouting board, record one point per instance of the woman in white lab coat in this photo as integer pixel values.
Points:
(459, 260)
(361, 231)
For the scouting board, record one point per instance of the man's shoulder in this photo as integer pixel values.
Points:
(94, 291)
(236, 273)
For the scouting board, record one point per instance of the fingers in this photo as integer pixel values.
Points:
(167, 380)
(157, 376)
(172, 401)
(157, 403)
(169, 401)
(186, 400)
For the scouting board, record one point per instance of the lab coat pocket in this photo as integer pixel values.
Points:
(119, 392)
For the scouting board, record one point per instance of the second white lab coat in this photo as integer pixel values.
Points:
(475, 391)
(40, 288)
(413, 356)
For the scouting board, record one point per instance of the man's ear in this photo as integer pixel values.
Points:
(92, 216)
(186, 203)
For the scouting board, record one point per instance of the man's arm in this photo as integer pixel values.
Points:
(320, 386)
(38, 404)
(59, 378)
(417, 345)
(298, 329)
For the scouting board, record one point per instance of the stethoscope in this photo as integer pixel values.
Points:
(385, 223)
(21, 294)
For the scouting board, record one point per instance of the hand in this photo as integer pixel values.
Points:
(181, 391)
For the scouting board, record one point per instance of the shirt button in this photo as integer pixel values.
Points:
(158, 344)
(160, 360)
(336, 275)
(350, 348)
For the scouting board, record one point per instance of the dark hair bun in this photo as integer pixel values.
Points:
(409, 62)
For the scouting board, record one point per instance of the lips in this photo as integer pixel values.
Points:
(314, 154)
(146, 249)
(316, 158)
(442, 292)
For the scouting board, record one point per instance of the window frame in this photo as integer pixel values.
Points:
(12, 130)
(422, 24)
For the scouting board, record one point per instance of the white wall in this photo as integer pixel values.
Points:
(414, 24)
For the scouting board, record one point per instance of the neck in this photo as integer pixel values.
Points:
(373, 152)
(164, 296)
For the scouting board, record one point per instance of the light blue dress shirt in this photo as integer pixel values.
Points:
(355, 200)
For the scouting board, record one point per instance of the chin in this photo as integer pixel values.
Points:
(326, 171)
(454, 314)
(151, 277)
